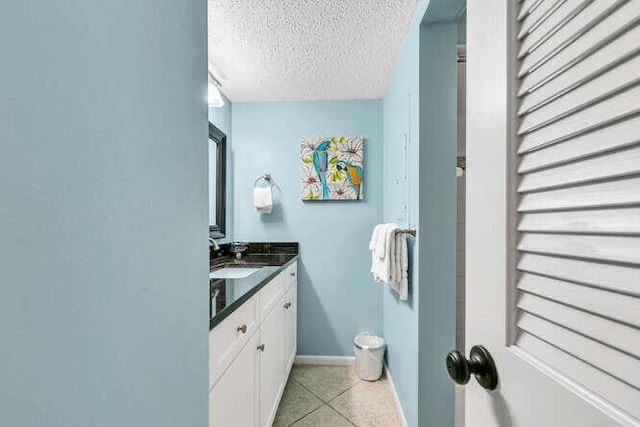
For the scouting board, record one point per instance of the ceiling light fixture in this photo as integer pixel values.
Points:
(215, 97)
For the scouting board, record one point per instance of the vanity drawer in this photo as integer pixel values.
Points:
(270, 295)
(290, 275)
(227, 338)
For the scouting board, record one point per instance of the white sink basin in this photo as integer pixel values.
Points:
(232, 273)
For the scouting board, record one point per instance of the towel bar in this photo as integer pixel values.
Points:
(266, 177)
(412, 230)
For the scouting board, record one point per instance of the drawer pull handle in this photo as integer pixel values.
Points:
(293, 274)
(242, 329)
(287, 305)
(261, 347)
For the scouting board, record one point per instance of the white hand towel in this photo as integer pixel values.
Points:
(382, 246)
(400, 281)
(374, 236)
(378, 266)
(376, 263)
(390, 250)
(392, 266)
(263, 199)
(377, 243)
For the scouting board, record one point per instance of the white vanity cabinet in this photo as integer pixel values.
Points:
(272, 336)
(233, 401)
(249, 370)
(290, 326)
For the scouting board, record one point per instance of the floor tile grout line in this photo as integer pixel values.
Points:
(338, 395)
(343, 415)
(328, 402)
(337, 410)
(348, 420)
(322, 399)
(314, 395)
(317, 409)
(305, 415)
(311, 411)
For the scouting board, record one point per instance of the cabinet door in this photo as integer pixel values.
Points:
(271, 365)
(290, 326)
(228, 338)
(233, 401)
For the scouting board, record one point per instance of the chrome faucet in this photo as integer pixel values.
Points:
(214, 244)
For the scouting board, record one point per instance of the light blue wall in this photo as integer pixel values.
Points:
(462, 28)
(418, 103)
(438, 149)
(400, 318)
(222, 118)
(336, 294)
(103, 250)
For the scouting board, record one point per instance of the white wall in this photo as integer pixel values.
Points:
(103, 218)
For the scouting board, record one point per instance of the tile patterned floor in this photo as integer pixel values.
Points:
(334, 396)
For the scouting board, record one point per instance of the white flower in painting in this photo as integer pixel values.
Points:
(310, 183)
(308, 146)
(341, 190)
(350, 150)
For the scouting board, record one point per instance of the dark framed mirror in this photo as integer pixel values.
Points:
(217, 181)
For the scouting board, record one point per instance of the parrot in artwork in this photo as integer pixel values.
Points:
(354, 175)
(321, 164)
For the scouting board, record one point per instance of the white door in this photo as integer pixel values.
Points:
(553, 211)
(271, 363)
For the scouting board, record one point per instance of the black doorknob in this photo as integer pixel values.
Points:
(480, 364)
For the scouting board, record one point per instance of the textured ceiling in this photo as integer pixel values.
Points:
(293, 50)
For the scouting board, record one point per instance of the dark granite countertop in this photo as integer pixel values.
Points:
(226, 295)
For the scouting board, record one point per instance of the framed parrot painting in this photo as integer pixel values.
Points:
(331, 168)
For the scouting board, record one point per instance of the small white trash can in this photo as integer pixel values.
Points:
(369, 351)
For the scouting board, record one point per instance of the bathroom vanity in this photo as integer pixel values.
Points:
(252, 337)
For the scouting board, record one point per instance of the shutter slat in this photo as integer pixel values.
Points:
(603, 385)
(539, 15)
(607, 304)
(569, 33)
(619, 135)
(527, 7)
(604, 86)
(608, 111)
(614, 278)
(623, 192)
(601, 248)
(591, 68)
(605, 42)
(616, 335)
(611, 361)
(601, 221)
(557, 22)
(608, 166)
(577, 195)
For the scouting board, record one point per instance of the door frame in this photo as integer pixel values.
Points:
(437, 208)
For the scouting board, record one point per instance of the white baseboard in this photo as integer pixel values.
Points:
(403, 420)
(326, 360)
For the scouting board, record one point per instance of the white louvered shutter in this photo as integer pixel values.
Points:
(577, 305)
